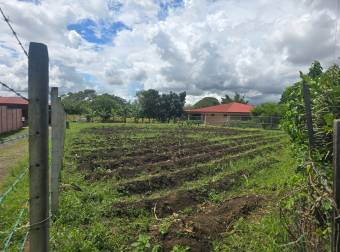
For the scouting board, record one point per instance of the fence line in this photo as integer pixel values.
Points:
(332, 195)
(39, 191)
(41, 195)
(243, 121)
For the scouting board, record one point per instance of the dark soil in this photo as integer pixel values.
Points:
(175, 179)
(198, 231)
(179, 200)
(175, 201)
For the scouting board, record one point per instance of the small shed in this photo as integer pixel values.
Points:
(220, 114)
(15, 103)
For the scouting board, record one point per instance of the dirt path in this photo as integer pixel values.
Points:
(10, 155)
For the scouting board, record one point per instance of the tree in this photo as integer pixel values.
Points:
(315, 70)
(325, 93)
(123, 110)
(240, 99)
(162, 107)
(237, 98)
(171, 106)
(226, 99)
(206, 102)
(78, 103)
(105, 105)
(135, 110)
(149, 101)
(269, 109)
(269, 114)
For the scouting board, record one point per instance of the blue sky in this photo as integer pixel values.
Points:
(203, 47)
(98, 32)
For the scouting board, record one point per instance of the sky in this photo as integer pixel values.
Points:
(203, 47)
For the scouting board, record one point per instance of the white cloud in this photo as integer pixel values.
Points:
(206, 47)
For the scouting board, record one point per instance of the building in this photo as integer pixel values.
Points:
(15, 103)
(220, 114)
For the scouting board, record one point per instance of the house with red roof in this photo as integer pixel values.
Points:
(220, 114)
(15, 103)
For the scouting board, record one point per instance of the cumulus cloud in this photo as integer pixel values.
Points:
(203, 47)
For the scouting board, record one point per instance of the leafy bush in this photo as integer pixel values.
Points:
(308, 213)
(325, 99)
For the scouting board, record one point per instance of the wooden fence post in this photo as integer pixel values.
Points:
(308, 109)
(57, 147)
(336, 185)
(38, 147)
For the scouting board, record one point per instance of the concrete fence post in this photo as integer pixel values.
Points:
(57, 147)
(38, 79)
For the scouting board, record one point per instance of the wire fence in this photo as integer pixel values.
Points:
(41, 174)
(13, 200)
(14, 230)
(13, 188)
(237, 121)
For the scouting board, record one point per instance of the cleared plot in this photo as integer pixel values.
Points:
(156, 173)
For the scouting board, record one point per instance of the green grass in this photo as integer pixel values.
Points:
(12, 205)
(13, 134)
(263, 230)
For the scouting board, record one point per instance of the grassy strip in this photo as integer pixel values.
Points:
(12, 205)
(13, 134)
(263, 230)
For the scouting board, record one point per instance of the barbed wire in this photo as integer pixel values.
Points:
(22, 247)
(12, 90)
(15, 34)
(14, 229)
(11, 188)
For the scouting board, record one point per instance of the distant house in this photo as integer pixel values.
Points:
(220, 114)
(15, 103)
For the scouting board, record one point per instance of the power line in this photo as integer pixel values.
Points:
(12, 90)
(6, 19)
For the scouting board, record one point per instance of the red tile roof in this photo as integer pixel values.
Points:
(233, 107)
(13, 100)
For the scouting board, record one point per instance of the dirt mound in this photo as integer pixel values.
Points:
(200, 230)
(175, 201)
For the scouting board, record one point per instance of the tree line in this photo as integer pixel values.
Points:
(149, 104)
(212, 101)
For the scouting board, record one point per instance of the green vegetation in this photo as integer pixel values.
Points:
(132, 198)
(206, 102)
(11, 207)
(149, 104)
(301, 211)
(162, 107)
(237, 98)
